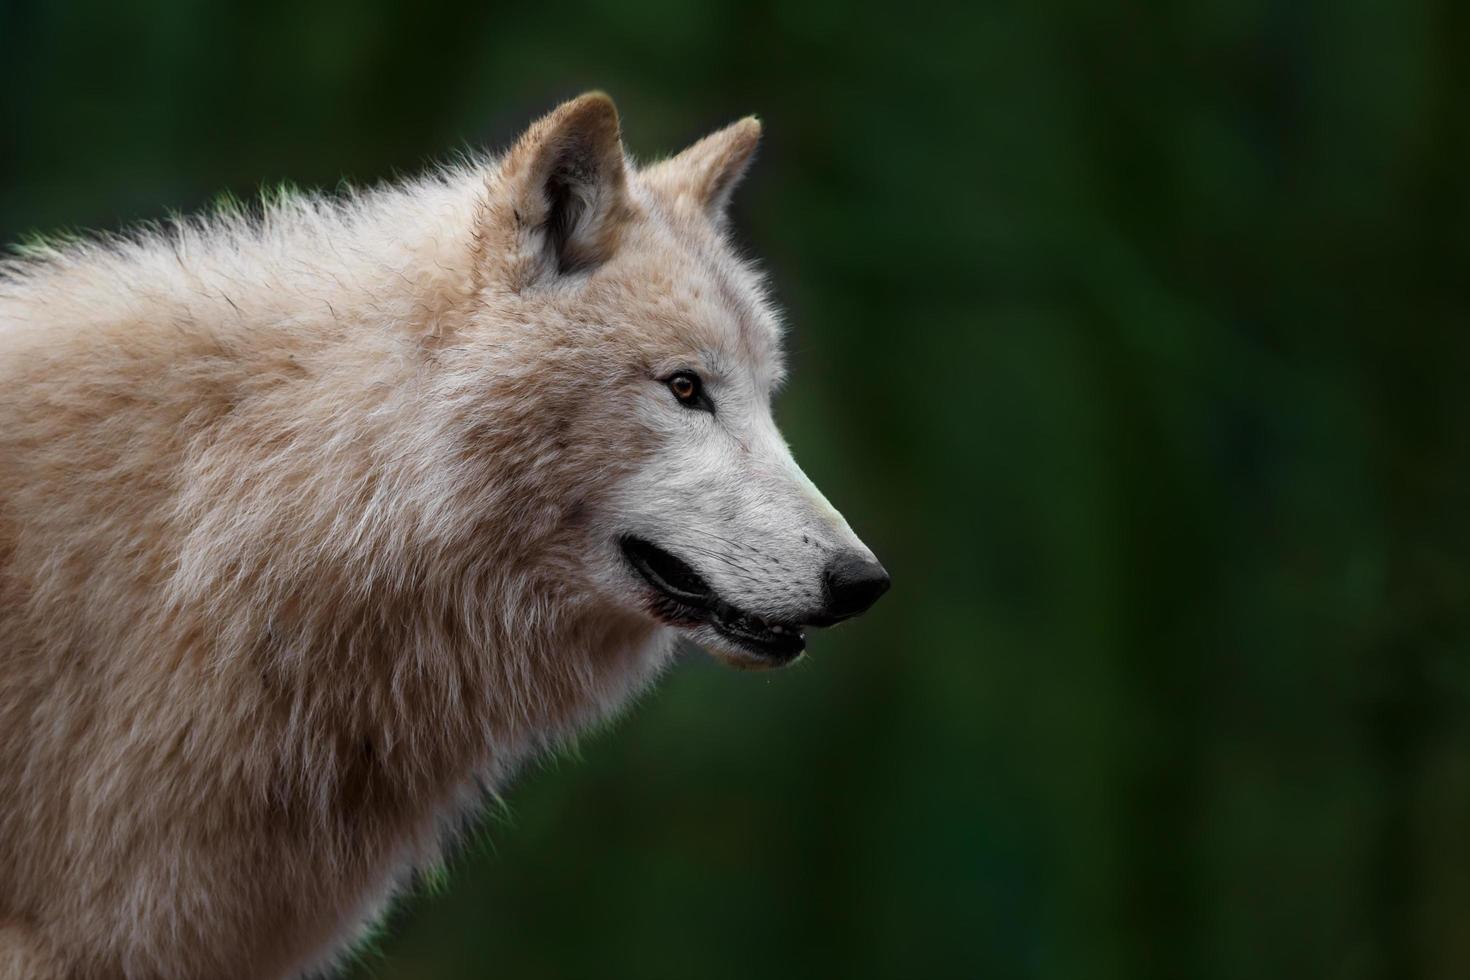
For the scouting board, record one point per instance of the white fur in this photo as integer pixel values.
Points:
(309, 522)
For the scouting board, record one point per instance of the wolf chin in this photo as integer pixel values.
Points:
(316, 520)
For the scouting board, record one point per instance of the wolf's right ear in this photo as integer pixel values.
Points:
(560, 197)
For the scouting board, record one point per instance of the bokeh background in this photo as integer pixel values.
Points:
(1132, 336)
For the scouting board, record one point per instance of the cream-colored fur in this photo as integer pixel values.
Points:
(307, 528)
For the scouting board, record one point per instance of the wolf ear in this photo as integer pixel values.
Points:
(561, 197)
(708, 172)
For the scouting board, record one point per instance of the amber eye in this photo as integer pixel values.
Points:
(686, 388)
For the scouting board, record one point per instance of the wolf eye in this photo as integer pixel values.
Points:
(689, 390)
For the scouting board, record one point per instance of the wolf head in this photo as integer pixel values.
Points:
(663, 352)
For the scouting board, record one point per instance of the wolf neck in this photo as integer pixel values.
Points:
(407, 627)
(390, 688)
(403, 699)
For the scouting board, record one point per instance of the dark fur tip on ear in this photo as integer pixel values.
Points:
(579, 141)
(592, 114)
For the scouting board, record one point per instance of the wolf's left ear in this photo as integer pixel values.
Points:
(707, 173)
(562, 194)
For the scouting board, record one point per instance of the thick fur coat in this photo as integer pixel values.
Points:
(316, 521)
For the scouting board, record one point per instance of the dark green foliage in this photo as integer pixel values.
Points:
(1133, 337)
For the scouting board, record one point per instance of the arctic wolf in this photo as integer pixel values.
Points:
(315, 522)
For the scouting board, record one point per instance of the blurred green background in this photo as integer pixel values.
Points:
(1133, 337)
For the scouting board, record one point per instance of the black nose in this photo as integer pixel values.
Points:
(854, 582)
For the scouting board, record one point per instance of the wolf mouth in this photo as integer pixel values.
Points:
(686, 599)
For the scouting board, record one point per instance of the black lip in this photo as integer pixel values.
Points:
(686, 599)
